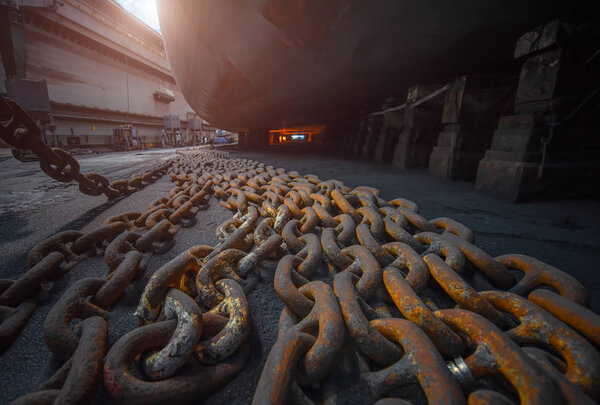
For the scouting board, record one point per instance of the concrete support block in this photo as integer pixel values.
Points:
(366, 147)
(413, 148)
(384, 135)
(388, 136)
(510, 169)
(514, 180)
(419, 125)
(458, 166)
(403, 153)
(511, 181)
(548, 149)
(469, 117)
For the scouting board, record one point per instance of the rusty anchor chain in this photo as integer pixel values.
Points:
(372, 290)
(20, 131)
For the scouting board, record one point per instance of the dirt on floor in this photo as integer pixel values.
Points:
(565, 234)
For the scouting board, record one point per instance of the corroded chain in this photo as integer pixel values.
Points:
(20, 131)
(371, 288)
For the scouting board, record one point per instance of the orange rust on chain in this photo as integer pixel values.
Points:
(461, 292)
(483, 262)
(86, 370)
(399, 234)
(125, 388)
(442, 247)
(169, 275)
(259, 253)
(185, 211)
(538, 273)
(76, 381)
(225, 229)
(271, 203)
(254, 198)
(368, 240)
(157, 237)
(554, 368)
(421, 363)
(290, 233)
(305, 196)
(275, 382)
(311, 255)
(325, 189)
(157, 216)
(496, 353)
(309, 220)
(345, 230)
(576, 316)
(55, 243)
(414, 309)
(333, 249)
(263, 233)
(264, 230)
(121, 278)
(403, 202)
(404, 257)
(373, 220)
(240, 239)
(312, 329)
(126, 218)
(113, 255)
(344, 205)
(221, 266)
(324, 317)
(323, 200)
(233, 334)
(99, 236)
(28, 284)
(156, 203)
(416, 220)
(140, 221)
(165, 362)
(293, 207)
(366, 267)
(396, 226)
(367, 338)
(371, 190)
(539, 327)
(325, 218)
(488, 397)
(450, 225)
(59, 336)
(287, 283)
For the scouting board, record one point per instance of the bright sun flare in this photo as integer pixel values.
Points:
(145, 10)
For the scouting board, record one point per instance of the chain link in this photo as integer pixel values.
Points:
(370, 288)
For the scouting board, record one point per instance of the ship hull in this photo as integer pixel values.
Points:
(274, 63)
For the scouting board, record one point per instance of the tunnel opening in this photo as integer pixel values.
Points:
(297, 135)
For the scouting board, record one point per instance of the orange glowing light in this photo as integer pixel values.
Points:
(292, 135)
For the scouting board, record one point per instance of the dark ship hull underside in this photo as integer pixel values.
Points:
(262, 64)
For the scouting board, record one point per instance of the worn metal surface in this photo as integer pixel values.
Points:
(304, 62)
(345, 283)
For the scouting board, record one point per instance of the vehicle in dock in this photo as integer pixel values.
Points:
(125, 138)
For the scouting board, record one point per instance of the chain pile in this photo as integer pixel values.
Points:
(370, 287)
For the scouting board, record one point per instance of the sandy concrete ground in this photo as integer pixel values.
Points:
(33, 207)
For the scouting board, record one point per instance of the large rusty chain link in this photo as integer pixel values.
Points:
(372, 290)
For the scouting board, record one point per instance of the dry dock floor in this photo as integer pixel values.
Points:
(563, 233)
